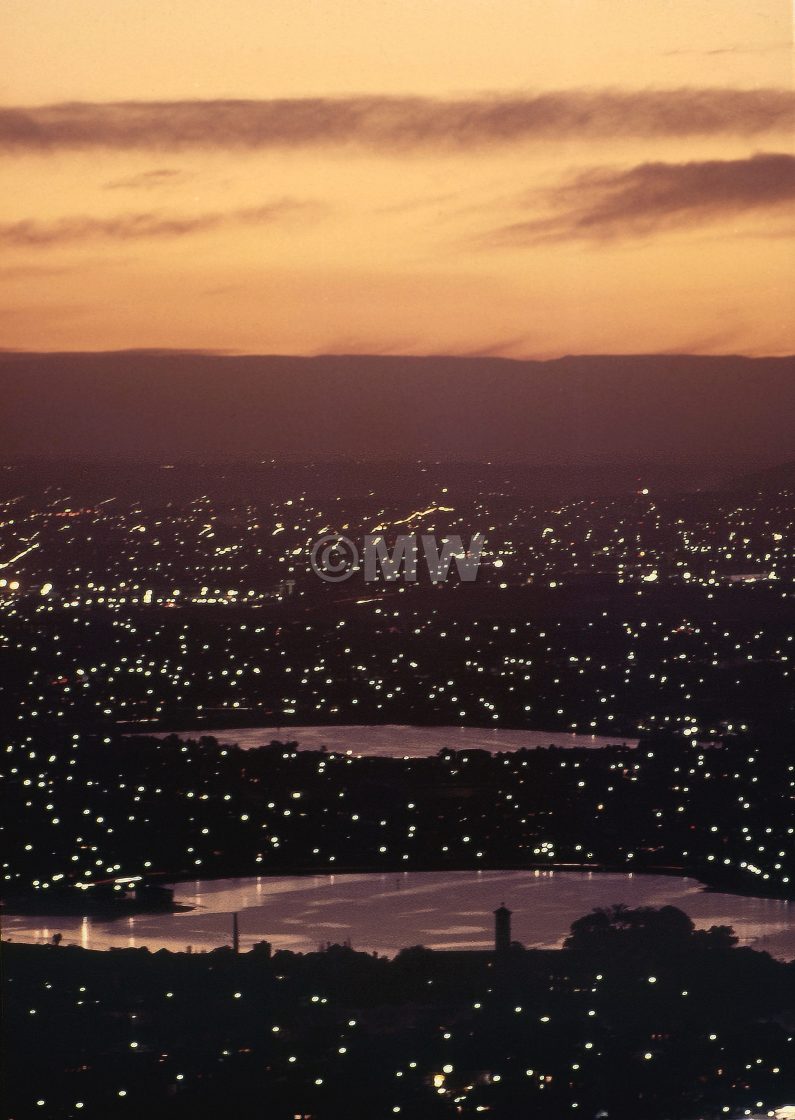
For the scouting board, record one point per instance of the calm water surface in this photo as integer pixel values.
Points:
(386, 912)
(404, 740)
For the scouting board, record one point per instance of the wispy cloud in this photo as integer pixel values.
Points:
(14, 272)
(146, 180)
(767, 48)
(396, 123)
(131, 227)
(641, 200)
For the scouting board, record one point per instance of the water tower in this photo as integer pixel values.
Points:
(502, 930)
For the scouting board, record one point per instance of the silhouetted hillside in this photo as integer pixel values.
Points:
(780, 477)
(171, 406)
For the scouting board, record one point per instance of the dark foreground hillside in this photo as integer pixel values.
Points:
(641, 1018)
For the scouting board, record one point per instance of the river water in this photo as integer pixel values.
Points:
(404, 740)
(385, 912)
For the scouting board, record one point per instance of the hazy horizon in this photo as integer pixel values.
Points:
(175, 406)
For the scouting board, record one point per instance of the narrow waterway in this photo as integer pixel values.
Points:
(385, 912)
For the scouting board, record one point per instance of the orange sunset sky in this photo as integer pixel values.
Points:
(510, 177)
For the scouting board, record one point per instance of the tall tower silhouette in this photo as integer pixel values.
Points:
(235, 934)
(502, 929)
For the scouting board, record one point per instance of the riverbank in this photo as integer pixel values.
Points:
(99, 901)
(391, 740)
(84, 904)
(341, 1032)
(384, 911)
(33, 907)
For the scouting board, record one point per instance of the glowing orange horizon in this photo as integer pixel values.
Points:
(476, 177)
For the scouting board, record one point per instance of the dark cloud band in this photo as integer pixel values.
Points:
(393, 123)
(648, 198)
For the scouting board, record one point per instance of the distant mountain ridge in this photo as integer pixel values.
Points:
(776, 478)
(177, 406)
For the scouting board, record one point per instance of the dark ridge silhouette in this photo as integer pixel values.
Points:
(154, 484)
(177, 406)
(775, 478)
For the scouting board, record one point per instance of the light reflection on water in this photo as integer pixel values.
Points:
(404, 740)
(383, 913)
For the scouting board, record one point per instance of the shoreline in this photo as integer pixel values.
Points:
(31, 906)
(69, 908)
(283, 734)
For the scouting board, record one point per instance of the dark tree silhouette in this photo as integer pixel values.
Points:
(667, 927)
